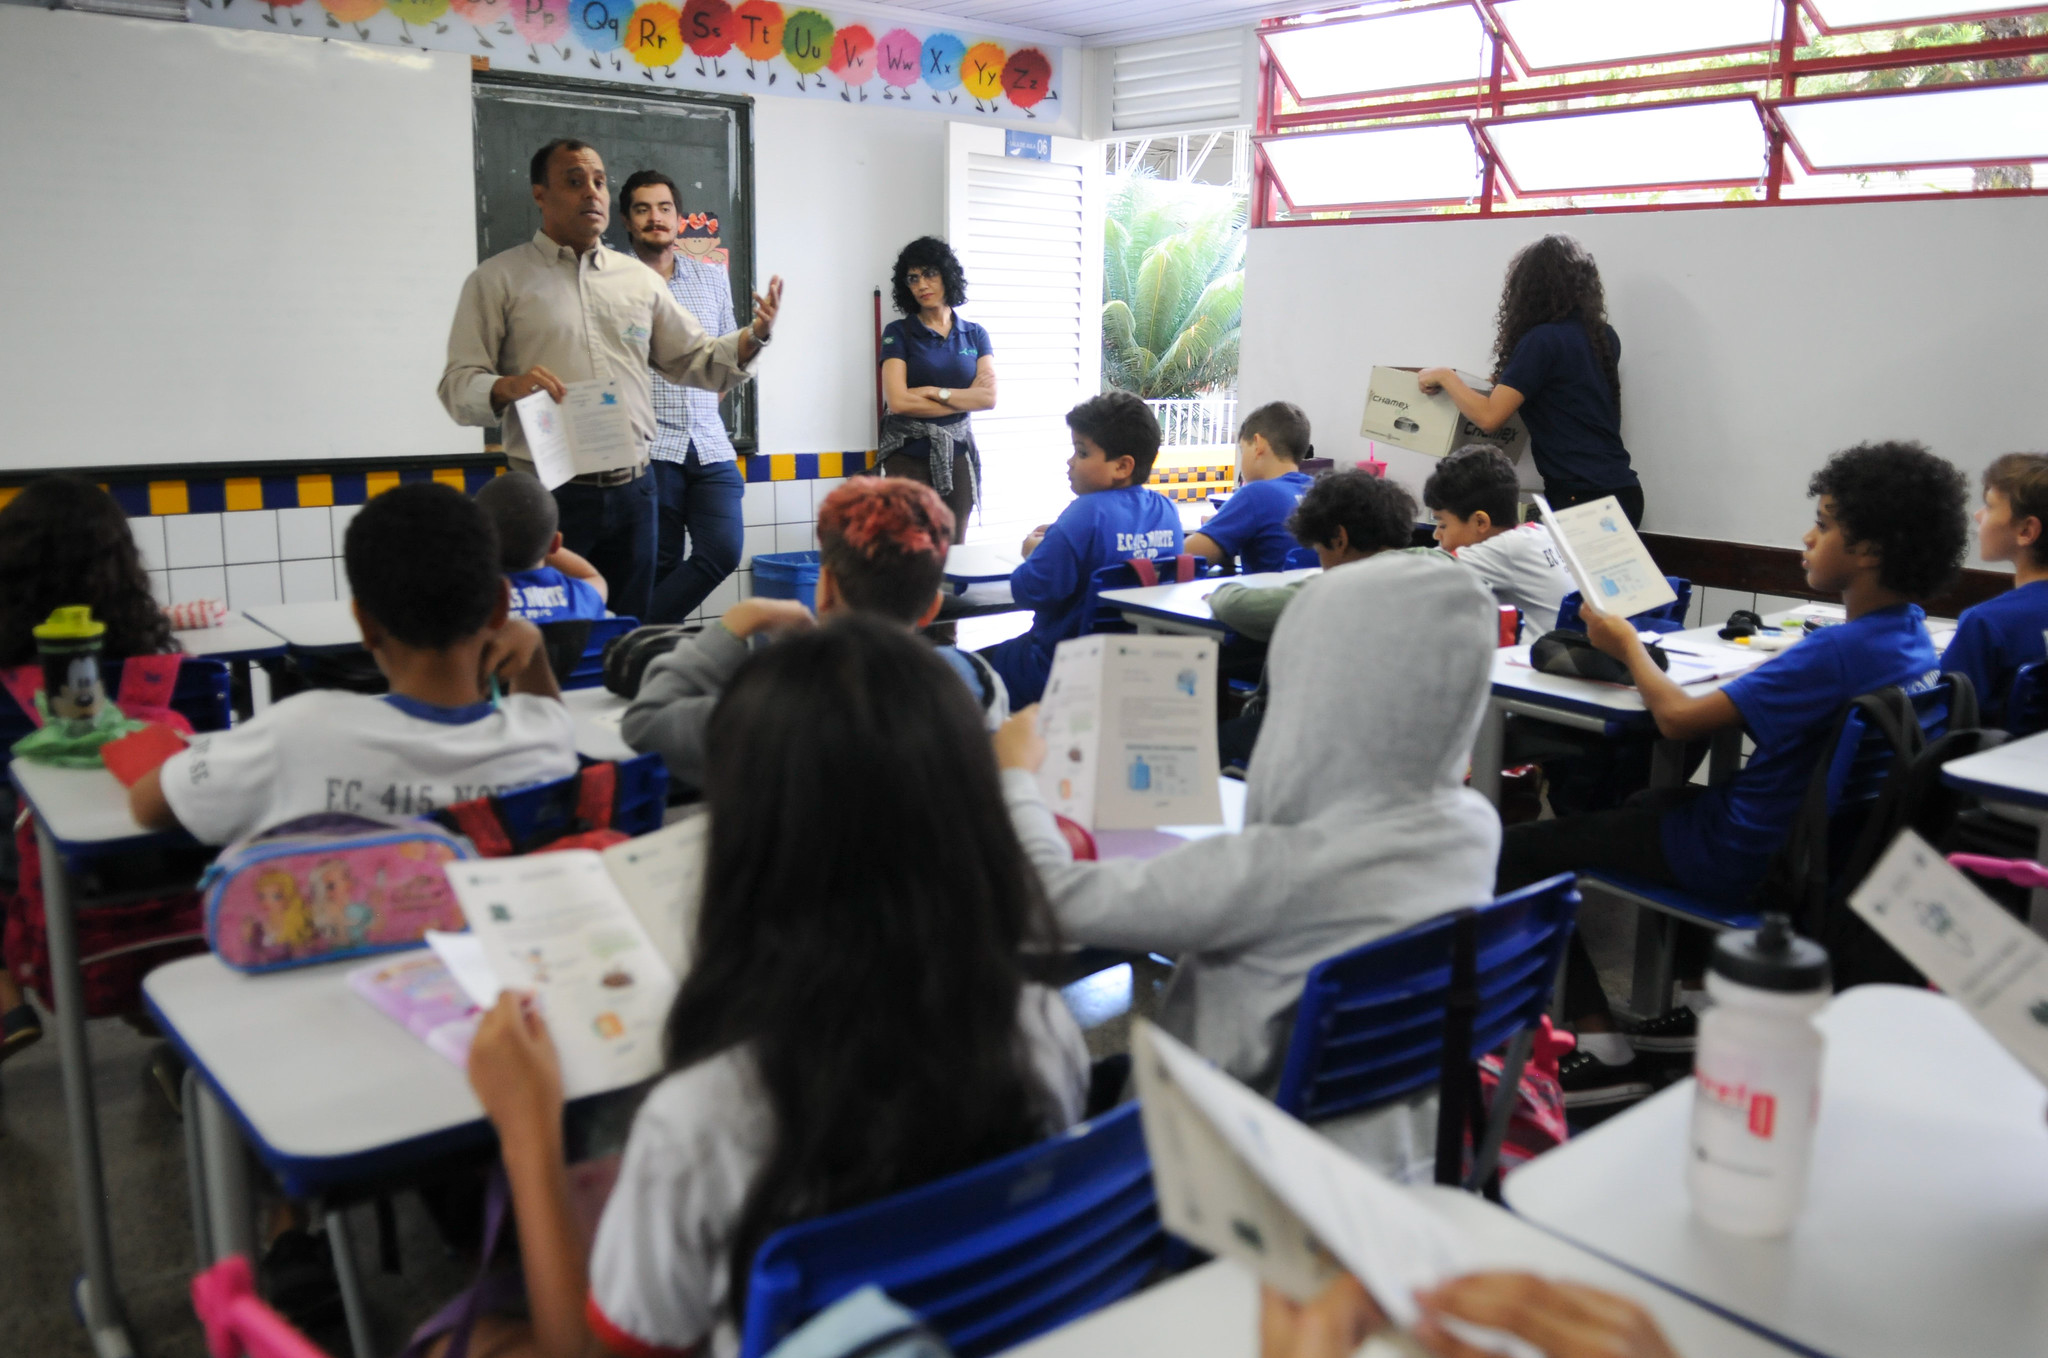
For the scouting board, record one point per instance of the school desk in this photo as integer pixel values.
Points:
(2013, 781)
(329, 625)
(1213, 1311)
(237, 641)
(980, 563)
(597, 711)
(81, 817)
(1925, 1228)
(1182, 607)
(333, 1098)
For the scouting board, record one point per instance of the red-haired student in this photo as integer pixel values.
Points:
(884, 543)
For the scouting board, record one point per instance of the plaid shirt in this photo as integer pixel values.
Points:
(685, 415)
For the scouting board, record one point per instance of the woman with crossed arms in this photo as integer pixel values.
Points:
(936, 369)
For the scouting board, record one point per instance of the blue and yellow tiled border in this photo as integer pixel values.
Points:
(140, 493)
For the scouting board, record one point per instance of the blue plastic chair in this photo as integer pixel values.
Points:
(1299, 557)
(1101, 617)
(589, 671)
(2026, 702)
(1857, 767)
(1371, 1025)
(549, 809)
(201, 694)
(1669, 618)
(989, 1257)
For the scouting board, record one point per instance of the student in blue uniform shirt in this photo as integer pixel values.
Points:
(1890, 527)
(1271, 443)
(1557, 362)
(549, 582)
(1113, 518)
(2001, 634)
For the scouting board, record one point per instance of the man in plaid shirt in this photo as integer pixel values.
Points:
(697, 483)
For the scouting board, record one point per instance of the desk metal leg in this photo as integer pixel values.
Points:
(1667, 763)
(99, 1299)
(1724, 755)
(195, 1173)
(1489, 750)
(343, 1247)
(1656, 956)
(224, 1172)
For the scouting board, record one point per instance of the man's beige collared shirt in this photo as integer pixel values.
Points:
(601, 315)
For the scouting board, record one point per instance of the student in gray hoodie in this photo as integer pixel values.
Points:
(883, 543)
(1358, 822)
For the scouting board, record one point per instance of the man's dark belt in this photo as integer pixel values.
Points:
(612, 478)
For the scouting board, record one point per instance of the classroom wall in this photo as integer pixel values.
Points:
(839, 190)
(1754, 341)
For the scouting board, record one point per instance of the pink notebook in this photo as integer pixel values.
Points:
(415, 990)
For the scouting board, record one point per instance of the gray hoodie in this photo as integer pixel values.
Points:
(1357, 819)
(671, 713)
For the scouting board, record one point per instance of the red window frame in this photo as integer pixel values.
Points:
(1501, 25)
(1267, 58)
(1784, 125)
(1772, 79)
(1373, 206)
(1813, 8)
(1483, 130)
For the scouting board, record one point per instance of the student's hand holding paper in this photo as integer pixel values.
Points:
(515, 1072)
(1564, 1320)
(1331, 1326)
(1019, 743)
(1613, 636)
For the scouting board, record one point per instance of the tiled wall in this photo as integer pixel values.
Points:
(267, 556)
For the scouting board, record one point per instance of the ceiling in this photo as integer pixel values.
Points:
(1105, 23)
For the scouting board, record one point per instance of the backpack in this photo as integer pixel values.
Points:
(1574, 655)
(627, 657)
(328, 886)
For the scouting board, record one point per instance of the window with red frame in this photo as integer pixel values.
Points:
(1424, 108)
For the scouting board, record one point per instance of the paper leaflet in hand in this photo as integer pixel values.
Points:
(1130, 732)
(1242, 1179)
(1608, 562)
(599, 938)
(587, 432)
(1964, 941)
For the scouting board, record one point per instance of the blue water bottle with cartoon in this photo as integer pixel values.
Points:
(1141, 775)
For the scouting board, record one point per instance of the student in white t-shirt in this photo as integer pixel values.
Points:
(856, 1020)
(1473, 495)
(423, 566)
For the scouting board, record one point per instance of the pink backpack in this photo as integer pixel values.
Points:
(329, 886)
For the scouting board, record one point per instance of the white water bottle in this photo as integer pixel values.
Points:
(1757, 1080)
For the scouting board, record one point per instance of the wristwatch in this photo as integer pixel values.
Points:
(760, 340)
(945, 396)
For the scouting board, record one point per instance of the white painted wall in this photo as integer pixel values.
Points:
(1754, 341)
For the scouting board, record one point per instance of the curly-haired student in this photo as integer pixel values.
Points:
(1557, 363)
(937, 366)
(1889, 527)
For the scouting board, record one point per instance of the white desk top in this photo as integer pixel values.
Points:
(1152, 843)
(1187, 603)
(971, 563)
(1213, 1311)
(327, 625)
(311, 1066)
(597, 711)
(237, 637)
(78, 806)
(1926, 1224)
(2016, 774)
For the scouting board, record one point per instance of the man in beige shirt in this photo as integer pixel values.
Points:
(562, 308)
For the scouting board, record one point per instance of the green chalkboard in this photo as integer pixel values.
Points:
(703, 142)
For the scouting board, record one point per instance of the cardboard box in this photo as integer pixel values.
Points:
(1398, 412)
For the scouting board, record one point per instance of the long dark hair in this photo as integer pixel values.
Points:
(64, 541)
(865, 905)
(1550, 281)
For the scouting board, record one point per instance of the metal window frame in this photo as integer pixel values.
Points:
(1267, 56)
(1483, 131)
(1505, 27)
(1777, 74)
(1813, 8)
(1807, 164)
(1270, 177)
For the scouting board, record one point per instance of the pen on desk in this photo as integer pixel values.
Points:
(1673, 650)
